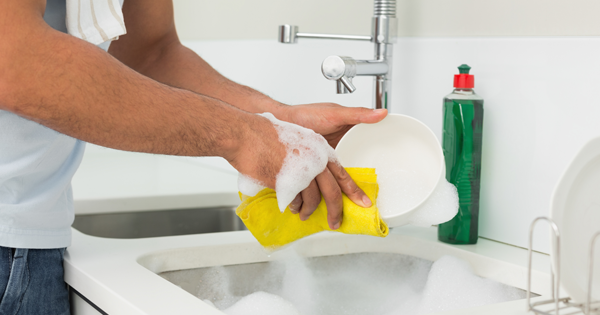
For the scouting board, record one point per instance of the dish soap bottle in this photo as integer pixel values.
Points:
(461, 143)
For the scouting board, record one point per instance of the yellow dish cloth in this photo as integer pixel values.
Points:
(274, 229)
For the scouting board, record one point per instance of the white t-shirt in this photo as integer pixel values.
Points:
(36, 167)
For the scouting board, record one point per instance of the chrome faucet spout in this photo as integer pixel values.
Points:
(372, 67)
(342, 69)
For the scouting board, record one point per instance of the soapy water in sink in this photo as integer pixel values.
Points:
(366, 283)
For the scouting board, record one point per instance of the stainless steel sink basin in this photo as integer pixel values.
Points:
(143, 224)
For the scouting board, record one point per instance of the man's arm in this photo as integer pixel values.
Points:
(152, 47)
(76, 88)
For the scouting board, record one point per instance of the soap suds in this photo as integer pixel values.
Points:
(248, 185)
(353, 284)
(307, 155)
(453, 285)
(440, 207)
(262, 303)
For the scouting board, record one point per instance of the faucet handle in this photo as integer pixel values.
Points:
(342, 70)
(335, 67)
(345, 86)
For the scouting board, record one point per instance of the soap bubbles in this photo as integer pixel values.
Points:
(262, 303)
(352, 284)
(307, 155)
(440, 207)
(452, 285)
(248, 185)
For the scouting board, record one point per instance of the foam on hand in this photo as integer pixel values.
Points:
(248, 185)
(307, 155)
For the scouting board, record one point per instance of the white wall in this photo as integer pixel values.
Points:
(258, 19)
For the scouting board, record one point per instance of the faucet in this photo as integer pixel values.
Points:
(343, 69)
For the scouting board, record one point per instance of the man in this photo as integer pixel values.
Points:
(147, 94)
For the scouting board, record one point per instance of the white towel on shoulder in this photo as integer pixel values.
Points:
(95, 21)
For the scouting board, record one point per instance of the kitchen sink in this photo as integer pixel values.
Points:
(142, 224)
(351, 281)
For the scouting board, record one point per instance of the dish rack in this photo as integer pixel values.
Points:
(562, 306)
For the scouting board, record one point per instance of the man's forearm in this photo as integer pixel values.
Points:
(79, 90)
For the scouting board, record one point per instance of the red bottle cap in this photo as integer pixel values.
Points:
(464, 80)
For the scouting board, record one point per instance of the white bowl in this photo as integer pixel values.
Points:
(402, 140)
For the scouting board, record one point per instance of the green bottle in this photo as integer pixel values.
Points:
(461, 142)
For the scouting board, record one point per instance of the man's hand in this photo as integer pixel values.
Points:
(259, 154)
(332, 121)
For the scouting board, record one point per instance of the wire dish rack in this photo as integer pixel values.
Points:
(557, 305)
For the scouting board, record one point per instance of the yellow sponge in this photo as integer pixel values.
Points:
(274, 229)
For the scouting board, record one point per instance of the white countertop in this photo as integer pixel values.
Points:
(120, 277)
(119, 181)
